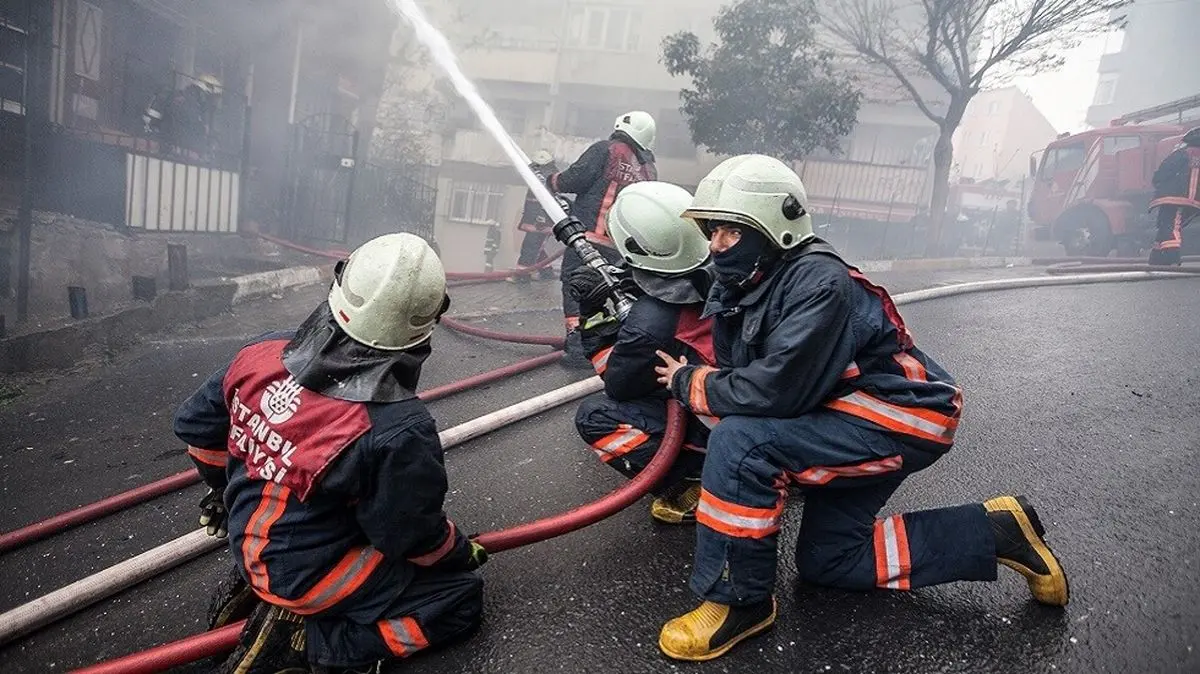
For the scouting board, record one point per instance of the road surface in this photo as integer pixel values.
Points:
(1084, 399)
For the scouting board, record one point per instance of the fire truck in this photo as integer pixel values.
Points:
(1092, 190)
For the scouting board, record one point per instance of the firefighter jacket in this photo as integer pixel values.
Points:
(333, 505)
(598, 176)
(1179, 176)
(626, 359)
(816, 334)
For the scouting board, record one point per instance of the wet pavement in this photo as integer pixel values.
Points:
(1084, 399)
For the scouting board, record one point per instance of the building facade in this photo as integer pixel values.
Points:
(1001, 129)
(559, 72)
(1151, 61)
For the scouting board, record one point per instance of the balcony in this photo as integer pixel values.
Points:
(478, 147)
(527, 66)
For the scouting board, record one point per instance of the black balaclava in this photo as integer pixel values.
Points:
(324, 359)
(744, 264)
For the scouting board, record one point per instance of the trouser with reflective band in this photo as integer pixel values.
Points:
(626, 435)
(848, 472)
(1169, 235)
(571, 262)
(435, 609)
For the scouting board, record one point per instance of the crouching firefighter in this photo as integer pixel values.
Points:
(665, 255)
(819, 386)
(327, 473)
(1177, 198)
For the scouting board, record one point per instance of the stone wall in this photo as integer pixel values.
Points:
(103, 259)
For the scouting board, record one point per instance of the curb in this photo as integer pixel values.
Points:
(943, 264)
(60, 347)
(255, 286)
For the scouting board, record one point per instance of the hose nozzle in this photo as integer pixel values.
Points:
(571, 233)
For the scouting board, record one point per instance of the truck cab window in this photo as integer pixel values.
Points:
(1062, 160)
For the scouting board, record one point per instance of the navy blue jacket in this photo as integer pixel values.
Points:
(816, 334)
(626, 359)
(598, 176)
(332, 504)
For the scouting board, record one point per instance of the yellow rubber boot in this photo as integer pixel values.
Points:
(1020, 547)
(678, 506)
(712, 629)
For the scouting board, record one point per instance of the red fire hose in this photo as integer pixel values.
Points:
(452, 275)
(468, 329)
(173, 654)
(208, 644)
(107, 506)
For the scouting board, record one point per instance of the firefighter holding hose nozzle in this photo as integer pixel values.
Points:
(326, 471)
(596, 178)
(665, 257)
(819, 386)
(536, 223)
(1177, 198)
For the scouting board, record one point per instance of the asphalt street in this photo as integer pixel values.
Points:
(1083, 399)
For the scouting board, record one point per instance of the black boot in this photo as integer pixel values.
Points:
(1021, 547)
(1168, 257)
(231, 601)
(271, 643)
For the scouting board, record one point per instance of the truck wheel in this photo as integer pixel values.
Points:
(1089, 235)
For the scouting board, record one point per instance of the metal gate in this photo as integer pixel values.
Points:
(330, 197)
(320, 186)
(390, 199)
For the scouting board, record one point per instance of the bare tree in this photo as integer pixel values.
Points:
(960, 45)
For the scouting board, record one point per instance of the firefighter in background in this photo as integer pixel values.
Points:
(326, 471)
(491, 246)
(536, 223)
(1177, 198)
(596, 178)
(665, 256)
(184, 117)
(818, 385)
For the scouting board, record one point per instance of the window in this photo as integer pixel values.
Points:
(476, 203)
(1063, 160)
(1106, 89)
(993, 108)
(1114, 144)
(590, 122)
(606, 28)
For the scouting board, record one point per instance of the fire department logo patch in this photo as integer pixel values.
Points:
(281, 400)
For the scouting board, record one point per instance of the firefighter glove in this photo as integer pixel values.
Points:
(213, 515)
(588, 288)
(478, 556)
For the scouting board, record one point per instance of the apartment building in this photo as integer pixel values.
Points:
(1001, 129)
(1148, 62)
(558, 73)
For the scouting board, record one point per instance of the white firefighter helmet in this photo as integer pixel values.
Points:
(639, 126)
(209, 83)
(646, 226)
(541, 158)
(390, 292)
(756, 191)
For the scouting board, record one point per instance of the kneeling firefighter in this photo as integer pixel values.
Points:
(326, 471)
(665, 255)
(818, 385)
(1177, 198)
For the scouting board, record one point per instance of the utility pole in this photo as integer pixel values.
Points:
(25, 213)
